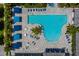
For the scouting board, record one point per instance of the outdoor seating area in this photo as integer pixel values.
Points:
(32, 10)
(55, 50)
(68, 38)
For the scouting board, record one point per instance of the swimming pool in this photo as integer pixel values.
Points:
(52, 25)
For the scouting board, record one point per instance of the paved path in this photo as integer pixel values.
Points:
(1, 51)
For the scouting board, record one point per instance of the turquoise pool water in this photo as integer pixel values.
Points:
(52, 25)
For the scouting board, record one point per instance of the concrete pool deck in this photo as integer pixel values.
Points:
(42, 44)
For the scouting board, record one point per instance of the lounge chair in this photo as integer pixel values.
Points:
(44, 10)
(62, 50)
(47, 50)
(33, 9)
(36, 10)
(41, 10)
(34, 42)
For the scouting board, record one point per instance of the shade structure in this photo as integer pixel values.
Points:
(17, 37)
(17, 10)
(17, 28)
(16, 45)
(17, 19)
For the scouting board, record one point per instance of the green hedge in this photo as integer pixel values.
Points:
(69, 5)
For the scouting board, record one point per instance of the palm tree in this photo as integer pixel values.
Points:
(37, 30)
(7, 50)
(77, 29)
(7, 42)
(71, 29)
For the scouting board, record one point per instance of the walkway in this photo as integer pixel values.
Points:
(1, 51)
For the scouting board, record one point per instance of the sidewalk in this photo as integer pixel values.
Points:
(1, 51)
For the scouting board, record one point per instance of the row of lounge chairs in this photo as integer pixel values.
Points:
(51, 4)
(68, 38)
(55, 50)
(32, 10)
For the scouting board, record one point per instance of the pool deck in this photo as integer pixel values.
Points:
(42, 44)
